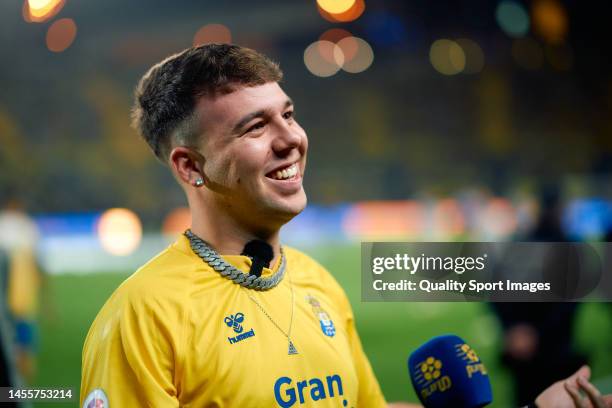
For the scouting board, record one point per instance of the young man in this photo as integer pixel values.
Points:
(192, 328)
(196, 329)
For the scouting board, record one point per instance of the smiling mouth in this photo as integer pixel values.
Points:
(288, 173)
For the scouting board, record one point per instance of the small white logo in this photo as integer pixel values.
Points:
(96, 399)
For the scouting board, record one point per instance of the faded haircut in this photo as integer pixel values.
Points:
(166, 96)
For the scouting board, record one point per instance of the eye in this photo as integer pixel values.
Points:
(257, 126)
(289, 115)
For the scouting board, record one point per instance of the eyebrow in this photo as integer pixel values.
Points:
(249, 117)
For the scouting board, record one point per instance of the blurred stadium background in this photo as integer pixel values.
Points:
(427, 121)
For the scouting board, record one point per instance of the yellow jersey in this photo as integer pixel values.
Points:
(177, 333)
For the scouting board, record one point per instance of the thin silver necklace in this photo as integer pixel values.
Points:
(291, 350)
(205, 252)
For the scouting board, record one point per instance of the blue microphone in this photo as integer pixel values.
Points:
(446, 372)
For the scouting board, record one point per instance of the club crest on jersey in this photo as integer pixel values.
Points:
(327, 325)
(234, 321)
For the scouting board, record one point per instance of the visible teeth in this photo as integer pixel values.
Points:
(286, 173)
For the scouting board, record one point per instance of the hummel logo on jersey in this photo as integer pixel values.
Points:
(234, 321)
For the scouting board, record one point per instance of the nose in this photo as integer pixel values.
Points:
(288, 136)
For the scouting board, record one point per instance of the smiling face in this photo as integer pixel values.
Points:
(255, 155)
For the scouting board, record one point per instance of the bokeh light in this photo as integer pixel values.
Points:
(447, 57)
(474, 57)
(352, 14)
(334, 35)
(350, 48)
(335, 6)
(550, 20)
(212, 33)
(37, 11)
(358, 55)
(332, 55)
(527, 53)
(512, 18)
(176, 222)
(119, 231)
(323, 58)
(61, 34)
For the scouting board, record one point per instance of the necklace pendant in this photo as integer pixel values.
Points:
(292, 349)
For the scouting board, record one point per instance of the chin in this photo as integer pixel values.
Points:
(287, 209)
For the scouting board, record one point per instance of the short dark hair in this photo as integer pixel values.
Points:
(166, 96)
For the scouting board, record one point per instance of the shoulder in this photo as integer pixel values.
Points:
(165, 277)
(307, 272)
(155, 295)
(304, 266)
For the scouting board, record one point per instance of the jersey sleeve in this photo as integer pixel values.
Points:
(129, 354)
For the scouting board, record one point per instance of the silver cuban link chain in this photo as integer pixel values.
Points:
(202, 249)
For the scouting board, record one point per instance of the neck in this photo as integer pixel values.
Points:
(228, 235)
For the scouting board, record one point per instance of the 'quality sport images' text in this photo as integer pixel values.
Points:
(458, 265)
(451, 285)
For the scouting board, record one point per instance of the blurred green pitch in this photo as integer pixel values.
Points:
(389, 331)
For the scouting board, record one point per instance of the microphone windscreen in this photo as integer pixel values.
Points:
(447, 372)
(258, 249)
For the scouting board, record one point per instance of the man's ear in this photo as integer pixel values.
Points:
(188, 165)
